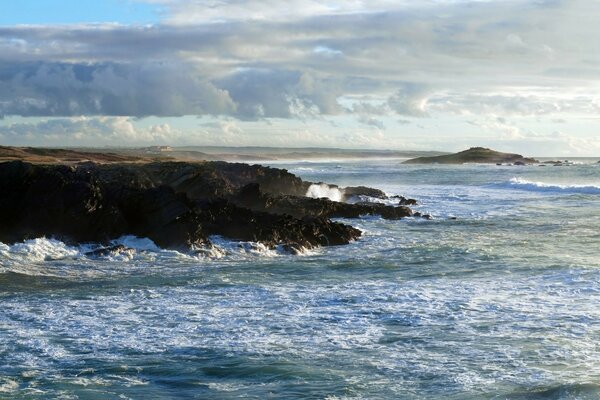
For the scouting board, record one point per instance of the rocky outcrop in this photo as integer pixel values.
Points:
(174, 204)
(364, 191)
(75, 204)
(253, 198)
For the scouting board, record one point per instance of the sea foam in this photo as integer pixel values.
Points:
(38, 250)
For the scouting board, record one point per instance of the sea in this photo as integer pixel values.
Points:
(496, 297)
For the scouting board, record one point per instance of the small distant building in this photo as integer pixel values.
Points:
(158, 149)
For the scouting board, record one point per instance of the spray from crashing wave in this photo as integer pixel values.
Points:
(126, 248)
(320, 190)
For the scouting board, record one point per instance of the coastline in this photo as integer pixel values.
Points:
(180, 205)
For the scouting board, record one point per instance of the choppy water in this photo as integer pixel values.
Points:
(503, 302)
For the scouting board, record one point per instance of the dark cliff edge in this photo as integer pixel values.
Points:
(178, 205)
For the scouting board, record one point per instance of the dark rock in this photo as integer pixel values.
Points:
(252, 197)
(227, 219)
(80, 204)
(108, 251)
(474, 155)
(177, 205)
(403, 201)
(419, 214)
(364, 191)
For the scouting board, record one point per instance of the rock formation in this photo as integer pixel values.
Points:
(175, 204)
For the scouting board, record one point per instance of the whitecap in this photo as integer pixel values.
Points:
(134, 242)
(523, 184)
(38, 250)
(8, 385)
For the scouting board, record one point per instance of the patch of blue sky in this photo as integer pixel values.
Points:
(54, 12)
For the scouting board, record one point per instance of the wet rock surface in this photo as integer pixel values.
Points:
(252, 197)
(176, 204)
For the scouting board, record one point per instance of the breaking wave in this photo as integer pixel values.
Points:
(523, 184)
(127, 248)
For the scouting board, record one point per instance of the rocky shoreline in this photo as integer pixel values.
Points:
(178, 205)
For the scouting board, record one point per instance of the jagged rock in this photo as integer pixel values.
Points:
(224, 218)
(174, 204)
(403, 201)
(108, 251)
(80, 205)
(252, 197)
(364, 191)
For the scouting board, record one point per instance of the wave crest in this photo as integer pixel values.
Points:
(523, 184)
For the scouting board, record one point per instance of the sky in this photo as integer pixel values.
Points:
(519, 76)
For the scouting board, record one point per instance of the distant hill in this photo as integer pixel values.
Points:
(474, 155)
(45, 155)
(194, 154)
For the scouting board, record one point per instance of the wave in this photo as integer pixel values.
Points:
(317, 191)
(127, 248)
(523, 184)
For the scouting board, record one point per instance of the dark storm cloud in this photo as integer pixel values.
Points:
(61, 89)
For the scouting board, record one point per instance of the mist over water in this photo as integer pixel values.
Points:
(501, 302)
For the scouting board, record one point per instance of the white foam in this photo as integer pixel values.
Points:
(30, 257)
(523, 184)
(8, 385)
(38, 250)
(134, 242)
(317, 191)
(222, 247)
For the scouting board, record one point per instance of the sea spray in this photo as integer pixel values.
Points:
(320, 190)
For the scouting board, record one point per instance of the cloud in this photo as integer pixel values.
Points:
(114, 131)
(194, 11)
(524, 102)
(370, 121)
(61, 89)
(410, 100)
(261, 59)
(378, 61)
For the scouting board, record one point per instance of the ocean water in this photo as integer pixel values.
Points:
(498, 297)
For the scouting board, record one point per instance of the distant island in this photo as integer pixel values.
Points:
(480, 155)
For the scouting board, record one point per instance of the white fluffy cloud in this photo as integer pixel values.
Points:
(308, 60)
(253, 59)
(114, 131)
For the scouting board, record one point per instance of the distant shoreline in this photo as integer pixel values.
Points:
(274, 155)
